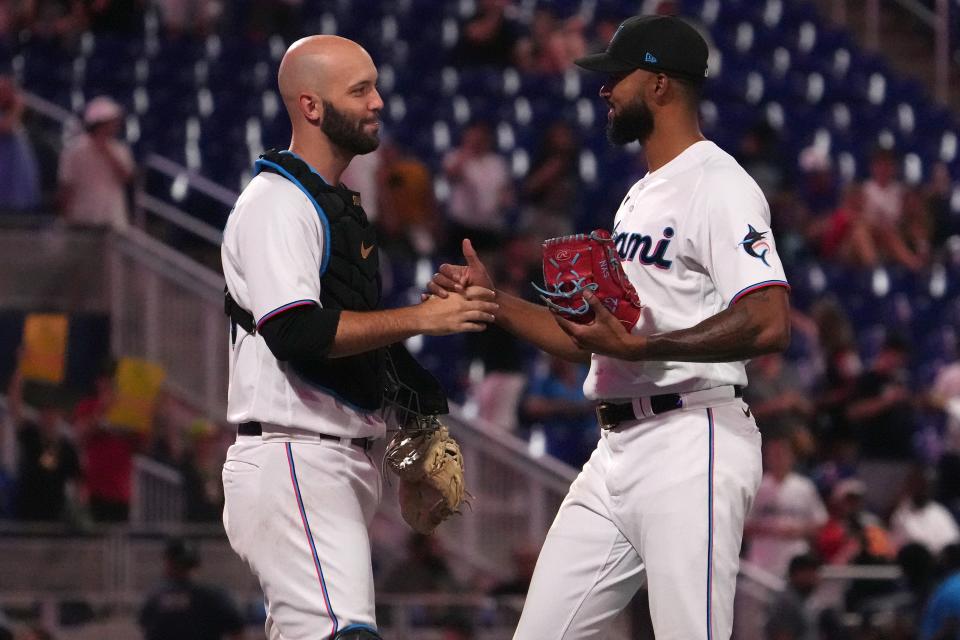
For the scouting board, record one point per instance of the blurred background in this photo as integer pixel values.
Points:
(127, 128)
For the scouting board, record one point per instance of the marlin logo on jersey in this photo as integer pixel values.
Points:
(632, 246)
(755, 245)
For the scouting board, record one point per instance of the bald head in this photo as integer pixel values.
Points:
(329, 83)
(316, 63)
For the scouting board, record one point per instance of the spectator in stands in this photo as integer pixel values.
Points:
(944, 396)
(408, 224)
(921, 519)
(555, 401)
(551, 190)
(489, 37)
(941, 616)
(844, 235)
(19, 172)
(818, 185)
(552, 45)
(780, 404)
(916, 226)
(786, 513)
(883, 210)
(48, 466)
(62, 20)
(880, 411)
(503, 357)
(107, 452)
(760, 154)
(199, 17)
(481, 190)
(842, 368)
(791, 615)
(852, 535)
(96, 168)
(183, 609)
(938, 193)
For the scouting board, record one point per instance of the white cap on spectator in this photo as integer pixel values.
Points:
(101, 109)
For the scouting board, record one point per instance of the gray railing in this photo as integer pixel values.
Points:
(157, 496)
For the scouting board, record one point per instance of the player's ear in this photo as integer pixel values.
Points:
(662, 84)
(311, 106)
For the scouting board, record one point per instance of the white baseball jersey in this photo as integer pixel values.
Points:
(694, 237)
(272, 251)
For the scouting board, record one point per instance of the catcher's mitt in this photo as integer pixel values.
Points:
(587, 262)
(430, 466)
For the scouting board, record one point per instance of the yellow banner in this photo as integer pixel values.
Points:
(44, 347)
(138, 387)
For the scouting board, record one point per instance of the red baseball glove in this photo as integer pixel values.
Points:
(587, 262)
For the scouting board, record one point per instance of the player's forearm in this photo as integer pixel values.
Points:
(758, 324)
(359, 332)
(534, 324)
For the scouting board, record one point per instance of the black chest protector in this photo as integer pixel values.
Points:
(349, 280)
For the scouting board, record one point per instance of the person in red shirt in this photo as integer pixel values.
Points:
(107, 454)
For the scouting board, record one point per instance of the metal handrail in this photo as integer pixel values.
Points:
(178, 217)
(203, 185)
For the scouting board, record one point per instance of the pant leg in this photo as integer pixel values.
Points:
(587, 571)
(684, 503)
(298, 514)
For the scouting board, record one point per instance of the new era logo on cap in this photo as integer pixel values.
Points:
(650, 58)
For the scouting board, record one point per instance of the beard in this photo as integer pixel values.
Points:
(346, 133)
(635, 122)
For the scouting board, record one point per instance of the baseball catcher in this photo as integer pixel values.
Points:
(587, 262)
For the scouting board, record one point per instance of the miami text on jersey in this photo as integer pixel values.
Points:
(633, 246)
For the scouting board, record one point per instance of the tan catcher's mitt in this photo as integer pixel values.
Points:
(430, 466)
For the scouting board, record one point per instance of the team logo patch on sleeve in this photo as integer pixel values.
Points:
(755, 245)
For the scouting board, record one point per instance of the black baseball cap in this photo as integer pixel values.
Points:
(662, 44)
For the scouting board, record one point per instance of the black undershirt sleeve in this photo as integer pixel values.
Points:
(302, 333)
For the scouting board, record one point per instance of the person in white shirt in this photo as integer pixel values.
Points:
(311, 353)
(921, 519)
(95, 170)
(480, 188)
(663, 498)
(786, 514)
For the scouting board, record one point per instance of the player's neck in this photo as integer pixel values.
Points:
(669, 139)
(326, 160)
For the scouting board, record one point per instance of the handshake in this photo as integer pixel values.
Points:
(462, 298)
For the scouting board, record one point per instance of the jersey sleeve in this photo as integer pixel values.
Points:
(279, 246)
(736, 239)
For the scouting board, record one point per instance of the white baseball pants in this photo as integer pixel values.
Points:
(298, 513)
(662, 500)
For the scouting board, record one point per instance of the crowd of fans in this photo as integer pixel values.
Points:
(861, 456)
(74, 467)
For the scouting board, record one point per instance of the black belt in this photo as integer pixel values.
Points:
(255, 429)
(610, 414)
